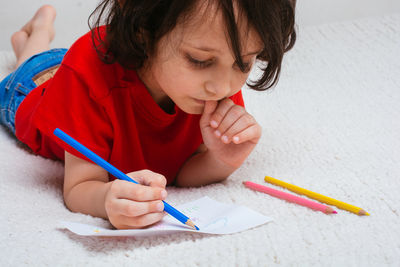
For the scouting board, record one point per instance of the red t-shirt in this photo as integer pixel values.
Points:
(109, 110)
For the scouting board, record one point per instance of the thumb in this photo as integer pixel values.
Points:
(209, 108)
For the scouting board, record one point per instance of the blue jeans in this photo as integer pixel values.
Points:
(19, 83)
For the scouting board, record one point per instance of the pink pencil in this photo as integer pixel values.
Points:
(289, 197)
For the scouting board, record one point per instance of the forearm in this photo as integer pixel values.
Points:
(202, 169)
(88, 197)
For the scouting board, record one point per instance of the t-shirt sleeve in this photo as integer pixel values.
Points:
(68, 103)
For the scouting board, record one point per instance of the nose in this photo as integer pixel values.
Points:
(217, 89)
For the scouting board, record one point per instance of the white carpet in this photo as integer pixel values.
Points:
(331, 125)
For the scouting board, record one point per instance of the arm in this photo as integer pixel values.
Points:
(229, 134)
(202, 169)
(85, 186)
(87, 189)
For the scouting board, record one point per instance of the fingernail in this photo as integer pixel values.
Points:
(160, 206)
(225, 139)
(236, 139)
(214, 124)
(163, 194)
(217, 133)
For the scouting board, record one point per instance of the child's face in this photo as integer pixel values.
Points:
(194, 63)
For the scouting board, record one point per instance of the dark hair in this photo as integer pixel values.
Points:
(134, 28)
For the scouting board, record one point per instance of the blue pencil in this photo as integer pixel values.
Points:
(117, 173)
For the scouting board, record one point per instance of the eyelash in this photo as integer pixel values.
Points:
(204, 64)
(198, 63)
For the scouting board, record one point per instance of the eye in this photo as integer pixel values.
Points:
(199, 63)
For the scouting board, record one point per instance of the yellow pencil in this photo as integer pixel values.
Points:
(316, 196)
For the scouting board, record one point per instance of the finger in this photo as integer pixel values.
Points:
(209, 108)
(233, 115)
(126, 222)
(242, 123)
(251, 134)
(137, 192)
(133, 208)
(220, 112)
(147, 177)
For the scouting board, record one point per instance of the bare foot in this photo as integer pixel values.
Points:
(18, 40)
(42, 26)
(42, 20)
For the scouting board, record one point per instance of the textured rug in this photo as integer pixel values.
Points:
(331, 125)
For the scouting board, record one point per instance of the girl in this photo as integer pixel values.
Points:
(156, 92)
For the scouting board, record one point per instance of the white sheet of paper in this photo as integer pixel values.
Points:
(212, 217)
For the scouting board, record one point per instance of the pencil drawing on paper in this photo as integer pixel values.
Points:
(218, 223)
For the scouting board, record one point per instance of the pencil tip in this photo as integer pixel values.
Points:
(363, 212)
(329, 210)
(191, 224)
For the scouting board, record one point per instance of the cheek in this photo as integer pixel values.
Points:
(239, 81)
(174, 82)
(165, 75)
(183, 80)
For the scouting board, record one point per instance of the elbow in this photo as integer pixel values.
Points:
(69, 201)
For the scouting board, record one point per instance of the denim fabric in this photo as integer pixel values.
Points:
(19, 83)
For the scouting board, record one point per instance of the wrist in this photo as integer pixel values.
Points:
(106, 194)
(218, 164)
(203, 169)
(88, 197)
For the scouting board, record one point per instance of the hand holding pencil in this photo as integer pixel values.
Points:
(129, 205)
(118, 174)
